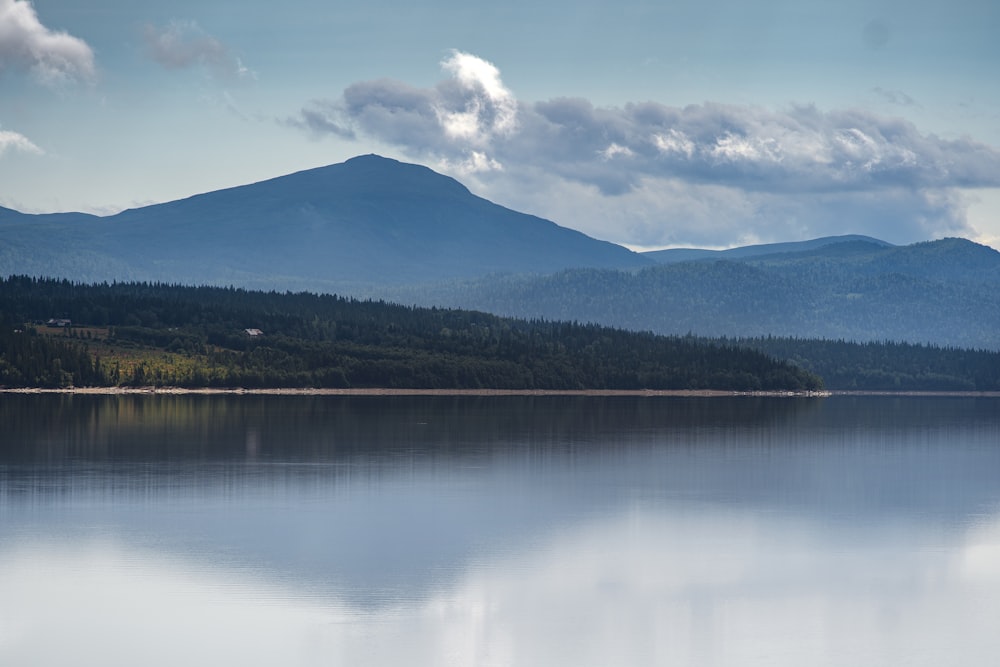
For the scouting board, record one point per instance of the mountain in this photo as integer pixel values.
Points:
(944, 292)
(377, 227)
(672, 255)
(367, 221)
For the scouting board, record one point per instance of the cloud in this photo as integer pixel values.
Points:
(183, 45)
(798, 169)
(321, 118)
(459, 120)
(477, 106)
(15, 141)
(52, 57)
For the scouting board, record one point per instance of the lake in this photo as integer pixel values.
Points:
(510, 530)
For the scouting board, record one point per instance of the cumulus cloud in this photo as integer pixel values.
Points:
(53, 57)
(460, 120)
(183, 44)
(796, 169)
(477, 106)
(14, 141)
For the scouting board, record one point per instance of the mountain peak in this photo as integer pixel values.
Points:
(372, 158)
(400, 174)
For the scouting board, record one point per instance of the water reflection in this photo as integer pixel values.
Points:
(704, 588)
(511, 531)
(164, 428)
(99, 603)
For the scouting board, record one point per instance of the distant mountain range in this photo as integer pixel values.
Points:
(372, 226)
(944, 292)
(673, 255)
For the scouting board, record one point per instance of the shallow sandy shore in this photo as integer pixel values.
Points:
(112, 391)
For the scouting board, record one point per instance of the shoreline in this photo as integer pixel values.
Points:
(304, 391)
(376, 391)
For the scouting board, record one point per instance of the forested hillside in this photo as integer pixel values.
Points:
(152, 334)
(886, 366)
(944, 293)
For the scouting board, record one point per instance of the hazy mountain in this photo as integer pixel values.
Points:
(369, 220)
(944, 292)
(672, 255)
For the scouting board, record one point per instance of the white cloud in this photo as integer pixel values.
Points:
(749, 172)
(53, 57)
(490, 108)
(735, 148)
(458, 122)
(615, 150)
(183, 44)
(15, 141)
(674, 141)
(475, 163)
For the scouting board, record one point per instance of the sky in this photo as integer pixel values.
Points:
(650, 123)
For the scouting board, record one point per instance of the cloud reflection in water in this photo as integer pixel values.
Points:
(697, 586)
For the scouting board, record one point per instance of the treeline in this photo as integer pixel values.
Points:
(197, 337)
(886, 365)
(30, 360)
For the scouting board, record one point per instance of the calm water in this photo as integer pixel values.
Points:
(544, 531)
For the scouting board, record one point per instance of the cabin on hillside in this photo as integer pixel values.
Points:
(59, 323)
(254, 333)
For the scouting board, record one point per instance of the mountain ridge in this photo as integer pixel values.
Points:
(369, 220)
(671, 255)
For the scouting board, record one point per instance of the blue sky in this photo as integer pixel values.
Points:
(652, 124)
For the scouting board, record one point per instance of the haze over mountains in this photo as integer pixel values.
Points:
(372, 226)
(672, 255)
